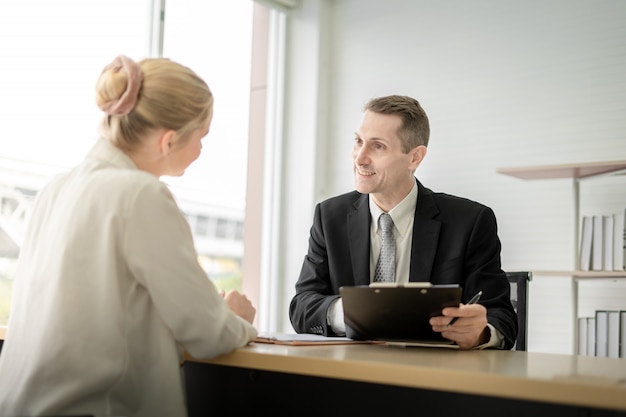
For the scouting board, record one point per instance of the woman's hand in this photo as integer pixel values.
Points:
(239, 304)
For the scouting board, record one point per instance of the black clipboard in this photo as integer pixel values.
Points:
(397, 314)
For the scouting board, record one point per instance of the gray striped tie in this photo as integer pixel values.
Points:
(386, 266)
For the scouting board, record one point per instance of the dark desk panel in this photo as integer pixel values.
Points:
(368, 380)
(217, 390)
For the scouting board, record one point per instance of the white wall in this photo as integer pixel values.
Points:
(505, 83)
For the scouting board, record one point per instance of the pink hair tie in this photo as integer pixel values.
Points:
(126, 103)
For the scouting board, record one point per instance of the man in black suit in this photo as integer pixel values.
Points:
(439, 238)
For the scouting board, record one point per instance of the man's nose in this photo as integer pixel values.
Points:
(361, 156)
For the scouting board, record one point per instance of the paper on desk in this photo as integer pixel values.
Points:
(304, 339)
(423, 344)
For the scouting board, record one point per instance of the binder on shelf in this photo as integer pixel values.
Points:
(619, 241)
(591, 336)
(602, 328)
(624, 242)
(584, 261)
(622, 334)
(582, 336)
(613, 336)
(597, 257)
(607, 246)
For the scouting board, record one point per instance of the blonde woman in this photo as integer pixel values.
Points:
(108, 291)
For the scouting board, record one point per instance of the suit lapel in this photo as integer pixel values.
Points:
(359, 240)
(425, 235)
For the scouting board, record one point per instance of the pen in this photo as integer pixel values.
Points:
(473, 300)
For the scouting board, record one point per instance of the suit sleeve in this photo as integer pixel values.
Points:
(484, 273)
(314, 293)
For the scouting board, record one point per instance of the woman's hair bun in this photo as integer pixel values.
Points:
(118, 86)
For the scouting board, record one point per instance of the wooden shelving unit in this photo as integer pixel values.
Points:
(576, 172)
(582, 274)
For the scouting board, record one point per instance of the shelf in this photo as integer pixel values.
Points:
(575, 172)
(564, 171)
(582, 274)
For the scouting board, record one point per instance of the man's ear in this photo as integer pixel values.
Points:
(417, 156)
(166, 141)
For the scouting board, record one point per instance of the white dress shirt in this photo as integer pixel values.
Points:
(108, 294)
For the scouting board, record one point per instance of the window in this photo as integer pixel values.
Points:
(56, 51)
(214, 186)
(202, 225)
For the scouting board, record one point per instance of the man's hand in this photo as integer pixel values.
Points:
(469, 331)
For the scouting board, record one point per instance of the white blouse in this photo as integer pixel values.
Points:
(108, 293)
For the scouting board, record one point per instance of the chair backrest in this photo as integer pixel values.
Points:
(519, 281)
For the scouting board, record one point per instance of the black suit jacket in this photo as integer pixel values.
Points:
(455, 241)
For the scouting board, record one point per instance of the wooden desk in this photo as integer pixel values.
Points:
(370, 379)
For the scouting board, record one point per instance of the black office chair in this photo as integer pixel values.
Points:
(519, 281)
